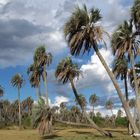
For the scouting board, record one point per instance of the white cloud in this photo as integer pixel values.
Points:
(94, 74)
(58, 100)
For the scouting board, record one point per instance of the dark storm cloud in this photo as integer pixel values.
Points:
(16, 37)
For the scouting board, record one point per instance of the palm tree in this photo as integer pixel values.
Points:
(125, 42)
(68, 71)
(82, 35)
(92, 100)
(120, 70)
(135, 14)
(35, 73)
(109, 105)
(17, 81)
(119, 113)
(43, 59)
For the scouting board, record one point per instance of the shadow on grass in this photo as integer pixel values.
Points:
(49, 137)
(78, 132)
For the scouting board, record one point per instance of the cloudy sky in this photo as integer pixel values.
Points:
(26, 24)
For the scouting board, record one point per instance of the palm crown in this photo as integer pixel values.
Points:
(41, 57)
(120, 68)
(35, 73)
(125, 41)
(81, 31)
(67, 70)
(17, 81)
(93, 99)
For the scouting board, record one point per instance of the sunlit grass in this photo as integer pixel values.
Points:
(64, 134)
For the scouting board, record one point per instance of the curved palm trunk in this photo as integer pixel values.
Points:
(121, 96)
(45, 84)
(85, 113)
(19, 108)
(136, 87)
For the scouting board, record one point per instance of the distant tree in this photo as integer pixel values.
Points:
(92, 100)
(17, 81)
(119, 113)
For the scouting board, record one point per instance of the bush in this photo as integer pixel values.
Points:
(26, 122)
(121, 121)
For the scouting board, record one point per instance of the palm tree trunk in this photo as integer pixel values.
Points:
(86, 115)
(38, 92)
(19, 108)
(136, 87)
(126, 88)
(45, 84)
(121, 96)
(127, 99)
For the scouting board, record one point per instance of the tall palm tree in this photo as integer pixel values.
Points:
(43, 59)
(17, 81)
(120, 70)
(35, 73)
(92, 100)
(68, 71)
(82, 35)
(125, 42)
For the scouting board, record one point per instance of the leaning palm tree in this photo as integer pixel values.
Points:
(43, 59)
(125, 42)
(92, 100)
(120, 70)
(68, 71)
(83, 34)
(17, 81)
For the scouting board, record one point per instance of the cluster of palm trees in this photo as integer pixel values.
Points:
(83, 34)
(9, 111)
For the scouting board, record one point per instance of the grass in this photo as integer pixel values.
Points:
(64, 134)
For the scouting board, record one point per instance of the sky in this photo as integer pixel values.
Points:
(27, 24)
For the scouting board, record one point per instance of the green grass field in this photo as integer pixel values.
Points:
(64, 134)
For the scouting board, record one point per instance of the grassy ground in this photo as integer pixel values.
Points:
(64, 134)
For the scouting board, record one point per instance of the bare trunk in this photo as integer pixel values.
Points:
(45, 84)
(126, 88)
(121, 96)
(136, 88)
(86, 115)
(38, 92)
(19, 108)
